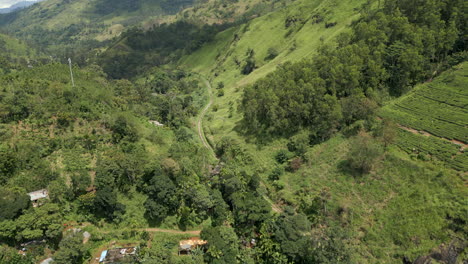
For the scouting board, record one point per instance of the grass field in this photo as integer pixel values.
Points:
(438, 110)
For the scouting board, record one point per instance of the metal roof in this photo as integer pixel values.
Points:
(38, 194)
(103, 256)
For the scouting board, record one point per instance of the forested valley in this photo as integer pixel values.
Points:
(246, 131)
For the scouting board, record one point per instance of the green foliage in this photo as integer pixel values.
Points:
(12, 203)
(139, 49)
(437, 149)
(123, 130)
(223, 245)
(75, 28)
(299, 143)
(10, 255)
(272, 53)
(364, 153)
(276, 174)
(8, 163)
(330, 247)
(387, 51)
(250, 212)
(72, 249)
(290, 232)
(269, 108)
(36, 223)
(220, 211)
(282, 156)
(250, 63)
(357, 107)
(162, 200)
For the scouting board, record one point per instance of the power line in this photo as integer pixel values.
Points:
(71, 72)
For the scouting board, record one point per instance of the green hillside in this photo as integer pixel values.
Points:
(16, 54)
(14, 48)
(291, 33)
(264, 131)
(90, 146)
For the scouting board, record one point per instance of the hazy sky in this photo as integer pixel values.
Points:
(8, 3)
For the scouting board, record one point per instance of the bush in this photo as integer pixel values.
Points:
(271, 54)
(363, 153)
(295, 164)
(299, 143)
(276, 173)
(282, 156)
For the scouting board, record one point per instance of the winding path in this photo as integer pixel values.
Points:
(203, 139)
(202, 114)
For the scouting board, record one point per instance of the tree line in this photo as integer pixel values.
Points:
(389, 50)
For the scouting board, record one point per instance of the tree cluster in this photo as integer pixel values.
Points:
(388, 51)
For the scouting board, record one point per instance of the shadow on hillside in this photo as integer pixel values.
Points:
(344, 167)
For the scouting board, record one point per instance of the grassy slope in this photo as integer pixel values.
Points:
(386, 216)
(216, 11)
(217, 58)
(260, 34)
(15, 48)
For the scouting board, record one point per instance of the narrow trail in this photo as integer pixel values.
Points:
(158, 230)
(169, 231)
(201, 133)
(461, 144)
(203, 139)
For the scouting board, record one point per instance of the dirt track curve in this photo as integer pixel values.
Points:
(201, 133)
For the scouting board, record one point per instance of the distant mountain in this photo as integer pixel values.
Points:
(59, 25)
(18, 6)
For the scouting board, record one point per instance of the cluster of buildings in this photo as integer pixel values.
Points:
(123, 254)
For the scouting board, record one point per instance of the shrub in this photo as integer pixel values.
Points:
(271, 54)
(295, 164)
(282, 156)
(363, 153)
(276, 173)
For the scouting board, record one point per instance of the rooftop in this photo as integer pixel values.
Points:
(120, 255)
(38, 194)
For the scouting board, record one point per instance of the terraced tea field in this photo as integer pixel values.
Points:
(434, 118)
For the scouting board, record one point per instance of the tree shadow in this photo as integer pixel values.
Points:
(344, 167)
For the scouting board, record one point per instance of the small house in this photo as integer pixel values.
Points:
(37, 196)
(186, 246)
(156, 123)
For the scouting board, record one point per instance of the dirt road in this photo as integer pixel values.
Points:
(201, 133)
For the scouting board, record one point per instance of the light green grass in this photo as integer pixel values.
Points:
(15, 48)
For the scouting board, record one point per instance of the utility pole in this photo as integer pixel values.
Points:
(71, 72)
